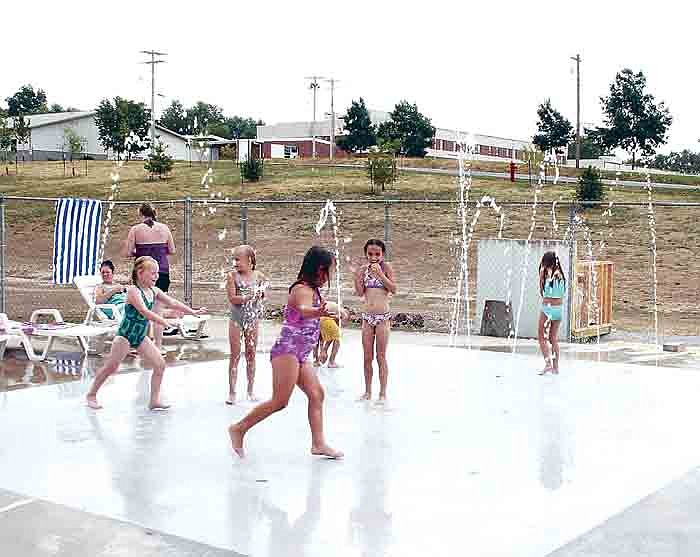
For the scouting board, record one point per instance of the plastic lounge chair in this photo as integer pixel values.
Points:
(87, 284)
(21, 333)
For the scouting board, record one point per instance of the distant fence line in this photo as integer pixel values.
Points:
(187, 206)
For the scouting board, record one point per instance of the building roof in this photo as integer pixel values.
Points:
(38, 120)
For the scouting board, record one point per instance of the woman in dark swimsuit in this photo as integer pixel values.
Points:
(153, 239)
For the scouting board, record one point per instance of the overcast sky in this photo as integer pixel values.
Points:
(482, 67)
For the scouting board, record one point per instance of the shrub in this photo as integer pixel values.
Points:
(159, 163)
(589, 187)
(381, 168)
(252, 169)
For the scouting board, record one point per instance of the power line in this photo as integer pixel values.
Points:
(153, 63)
(577, 59)
(314, 86)
(332, 81)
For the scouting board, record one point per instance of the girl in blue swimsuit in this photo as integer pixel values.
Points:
(552, 287)
(132, 333)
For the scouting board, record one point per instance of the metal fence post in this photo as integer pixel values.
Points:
(3, 239)
(387, 230)
(188, 251)
(244, 223)
(572, 271)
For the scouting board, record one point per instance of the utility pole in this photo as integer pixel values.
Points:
(153, 63)
(314, 87)
(577, 59)
(332, 82)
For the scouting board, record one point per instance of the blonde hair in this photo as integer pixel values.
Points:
(249, 251)
(139, 264)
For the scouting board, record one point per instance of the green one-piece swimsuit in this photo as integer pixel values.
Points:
(134, 325)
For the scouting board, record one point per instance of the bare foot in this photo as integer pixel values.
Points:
(158, 406)
(334, 365)
(365, 397)
(381, 399)
(236, 440)
(92, 403)
(547, 369)
(325, 450)
(231, 399)
(252, 397)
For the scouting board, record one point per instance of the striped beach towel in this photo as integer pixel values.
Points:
(76, 238)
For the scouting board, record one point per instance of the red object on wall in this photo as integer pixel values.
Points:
(512, 171)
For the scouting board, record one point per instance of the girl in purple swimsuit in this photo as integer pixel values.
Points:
(289, 354)
(375, 282)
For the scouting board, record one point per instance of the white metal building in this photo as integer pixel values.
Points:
(47, 139)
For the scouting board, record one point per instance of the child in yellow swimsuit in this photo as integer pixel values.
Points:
(329, 338)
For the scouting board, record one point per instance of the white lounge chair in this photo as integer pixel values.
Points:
(19, 334)
(87, 284)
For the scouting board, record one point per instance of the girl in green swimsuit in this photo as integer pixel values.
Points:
(132, 333)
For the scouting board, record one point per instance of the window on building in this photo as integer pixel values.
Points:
(291, 151)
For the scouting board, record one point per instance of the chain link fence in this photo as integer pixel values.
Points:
(424, 239)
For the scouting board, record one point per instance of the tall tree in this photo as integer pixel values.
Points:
(410, 128)
(591, 145)
(22, 130)
(7, 137)
(119, 122)
(553, 130)
(202, 116)
(26, 101)
(175, 119)
(243, 128)
(634, 121)
(361, 133)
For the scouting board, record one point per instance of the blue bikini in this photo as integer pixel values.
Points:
(553, 288)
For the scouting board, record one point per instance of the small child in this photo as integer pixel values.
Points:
(375, 282)
(138, 312)
(552, 286)
(329, 338)
(289, 355)
(245, 288)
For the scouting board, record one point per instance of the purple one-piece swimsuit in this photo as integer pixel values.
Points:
(298, 336)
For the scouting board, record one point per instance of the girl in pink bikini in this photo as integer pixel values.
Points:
(375, 282)
(290, 353)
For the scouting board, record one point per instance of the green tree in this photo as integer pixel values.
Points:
(634, 121)
(243, 128)
(410, 128)
(591, 145)
(554, 131)
(73, 142)
(589, 187)
(55, 107)
(26, 101)
(361, 133)
(22, 130)
(123, 126)
(7, 138)
(252, 169)
(381, 166)
(203, 115)
(159, 163)
(175, 119)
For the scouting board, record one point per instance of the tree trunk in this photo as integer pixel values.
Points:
(634, 154)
